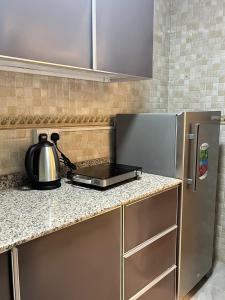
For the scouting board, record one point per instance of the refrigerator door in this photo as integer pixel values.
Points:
(198, 198)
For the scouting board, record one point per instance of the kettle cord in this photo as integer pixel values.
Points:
(64, 159)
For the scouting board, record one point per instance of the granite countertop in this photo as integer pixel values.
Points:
(29, 214)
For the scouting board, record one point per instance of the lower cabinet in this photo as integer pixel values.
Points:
(108, 257)
(5, 277)
(81, 262)
(149, 254)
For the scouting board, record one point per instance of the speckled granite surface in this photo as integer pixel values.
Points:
(11, 180)
(28, 214)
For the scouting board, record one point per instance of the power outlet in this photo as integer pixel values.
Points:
(37, 131)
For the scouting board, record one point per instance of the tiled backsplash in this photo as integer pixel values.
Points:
(79, 145)
(57, 96)
(38, 95)
(23, 94)
(197, 74)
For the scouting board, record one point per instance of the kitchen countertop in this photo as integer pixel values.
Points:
(28, 214)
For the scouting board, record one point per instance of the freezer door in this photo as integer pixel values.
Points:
(198, 198)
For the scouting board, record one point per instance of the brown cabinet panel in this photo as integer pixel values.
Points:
(80, 262)
(149, 217)
(5, 277)
(163, 290)
(145, 265)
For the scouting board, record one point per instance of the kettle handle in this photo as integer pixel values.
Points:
(29, 161)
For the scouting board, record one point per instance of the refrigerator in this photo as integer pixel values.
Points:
(186, 146)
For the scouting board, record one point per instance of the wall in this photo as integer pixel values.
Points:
(197, 74)
(37, 95)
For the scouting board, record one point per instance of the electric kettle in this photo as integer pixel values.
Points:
(42, 165)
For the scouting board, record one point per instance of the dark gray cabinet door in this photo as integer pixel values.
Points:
(124, 36)
(55, 31)
(5, 277)
(81, 262)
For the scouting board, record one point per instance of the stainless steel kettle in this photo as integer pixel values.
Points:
(42, 165)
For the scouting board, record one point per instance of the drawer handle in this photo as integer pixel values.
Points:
(153, 283)
(149, 242)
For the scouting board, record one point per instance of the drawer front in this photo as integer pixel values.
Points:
(163, 290)
(149, 217)
(147, 264)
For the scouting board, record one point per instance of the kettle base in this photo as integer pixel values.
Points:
(50, 185)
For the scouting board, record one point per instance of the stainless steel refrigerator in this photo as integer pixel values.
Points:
(184, 146)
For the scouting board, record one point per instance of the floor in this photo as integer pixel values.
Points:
(214, 287)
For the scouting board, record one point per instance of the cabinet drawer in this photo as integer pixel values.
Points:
(163, 290)
(144, 266)
(149, 217)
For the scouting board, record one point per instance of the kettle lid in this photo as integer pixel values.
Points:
(43, 140)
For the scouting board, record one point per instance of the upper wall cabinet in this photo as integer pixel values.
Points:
(53, 31)
(124, 36)
(104, 40)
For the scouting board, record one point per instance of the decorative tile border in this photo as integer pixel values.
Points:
(223, 120)
(49, 121)
(52, 121)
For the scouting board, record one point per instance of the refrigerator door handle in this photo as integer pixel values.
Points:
(195, 138)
